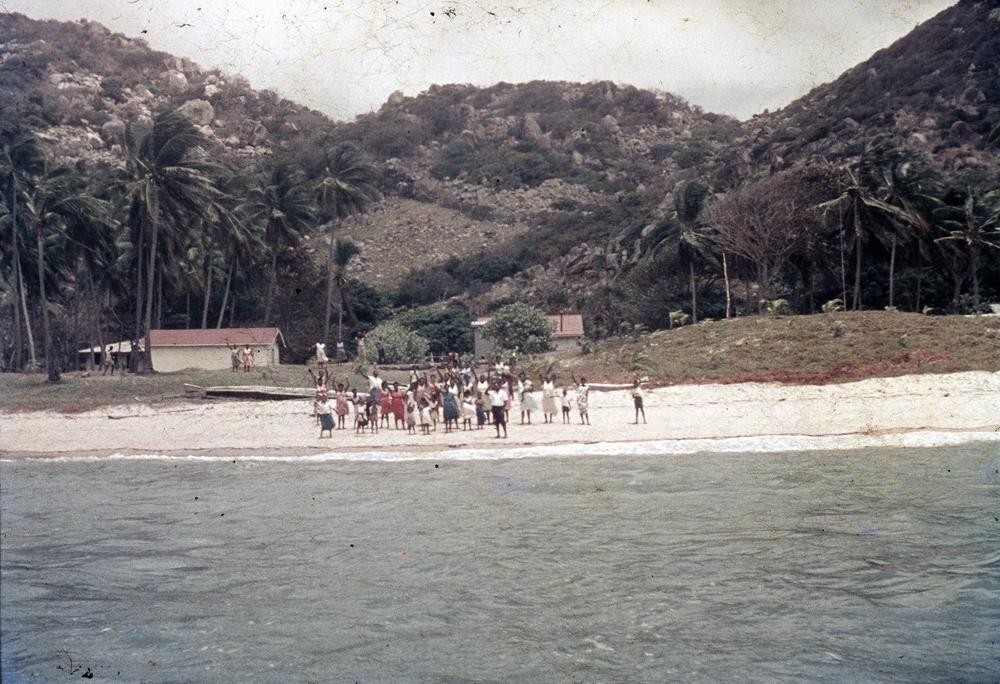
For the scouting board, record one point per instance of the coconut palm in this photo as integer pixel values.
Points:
(282, 202)
(906, 187)
(60, 199)
(345, 185)
(973, 224)
(692, 247)
(169, 186)
(344, 250)
(21, 161)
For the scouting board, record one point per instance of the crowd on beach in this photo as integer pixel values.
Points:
(452, 397)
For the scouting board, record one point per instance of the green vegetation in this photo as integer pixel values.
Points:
(399, 344)
(519, 327)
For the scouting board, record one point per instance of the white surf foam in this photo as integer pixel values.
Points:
(748, 445)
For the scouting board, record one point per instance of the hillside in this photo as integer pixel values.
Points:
(559, 194)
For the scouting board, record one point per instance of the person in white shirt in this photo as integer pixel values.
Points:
(498, 401)
(637, 400)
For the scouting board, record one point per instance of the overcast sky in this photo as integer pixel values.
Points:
(344, 57)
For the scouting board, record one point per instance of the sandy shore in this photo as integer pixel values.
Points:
(960, 402)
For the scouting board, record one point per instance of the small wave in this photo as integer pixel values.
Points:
(748, 445)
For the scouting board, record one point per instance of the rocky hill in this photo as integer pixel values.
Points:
(535, 190)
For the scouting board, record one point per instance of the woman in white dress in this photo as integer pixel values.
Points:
(549, 407)
(525, 390)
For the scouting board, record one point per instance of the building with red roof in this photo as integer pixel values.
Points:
(211, 349)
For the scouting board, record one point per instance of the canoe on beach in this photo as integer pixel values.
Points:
(249, 392)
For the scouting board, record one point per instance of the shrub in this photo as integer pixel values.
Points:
(778, 307)
(401, 345)
(833, 305)
(677, 318)
(446, 330)
(520, 327)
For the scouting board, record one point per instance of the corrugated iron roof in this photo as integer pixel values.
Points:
(213, 337)
(566, 325)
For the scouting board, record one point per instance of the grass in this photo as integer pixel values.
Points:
(82, 392)
(822, 348)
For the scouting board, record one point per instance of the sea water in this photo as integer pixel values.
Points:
(876, 564)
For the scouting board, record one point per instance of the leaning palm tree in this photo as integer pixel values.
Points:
(343, 251)
(345, 186)
(281, 202)
(906, 190)
(975, 224)
(60, 199)
(21, 161)
(168, 180)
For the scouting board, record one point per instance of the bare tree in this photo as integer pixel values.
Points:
(763, 223)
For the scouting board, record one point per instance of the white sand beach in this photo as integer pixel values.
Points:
(851, 412)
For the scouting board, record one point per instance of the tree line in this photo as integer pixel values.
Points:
(127, 248)
(841, 237)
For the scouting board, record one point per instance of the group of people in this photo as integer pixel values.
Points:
(458, 398)
(241, 358)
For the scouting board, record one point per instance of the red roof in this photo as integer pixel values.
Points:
(213, 337)
(566, 325)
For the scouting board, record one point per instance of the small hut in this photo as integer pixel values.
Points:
(211, 349)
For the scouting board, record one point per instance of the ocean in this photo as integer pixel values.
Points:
(607, 563)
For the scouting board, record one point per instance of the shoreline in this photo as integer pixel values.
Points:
(859, 412)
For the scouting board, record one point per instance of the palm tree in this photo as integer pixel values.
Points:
(60, 199)
(974, 223)
(692, 247)
(167, 181)
(21, 161)
(345, 186)
(282, 202)
(344, 250)
(906, 187)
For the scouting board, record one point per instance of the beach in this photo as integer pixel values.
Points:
(890, 410)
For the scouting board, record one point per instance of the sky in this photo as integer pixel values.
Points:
(345, 57)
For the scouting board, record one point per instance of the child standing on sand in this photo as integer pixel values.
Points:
(637, 400)
(412, 417)
(468, 410)
(341, 402)
(582, 392)
(566, 402)
(425, 417)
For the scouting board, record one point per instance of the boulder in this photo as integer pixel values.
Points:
(200, 112)
(396, 98)
(174, 81)
(211, 90)
(113, 129)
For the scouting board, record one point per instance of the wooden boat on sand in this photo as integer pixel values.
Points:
(249, 392)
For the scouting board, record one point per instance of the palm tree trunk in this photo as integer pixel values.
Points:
(856, 306)
(340, 321)
(133, 357)
(694, 294)
(974, 270)
(159, 298)
(270, 288)
(51, 364)
(208, 293)
(95, 303)
(329, 290)
(150, 276)
(725, 277)
(18, 345)
(225, 294)
(32, 356)
(892, 271)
